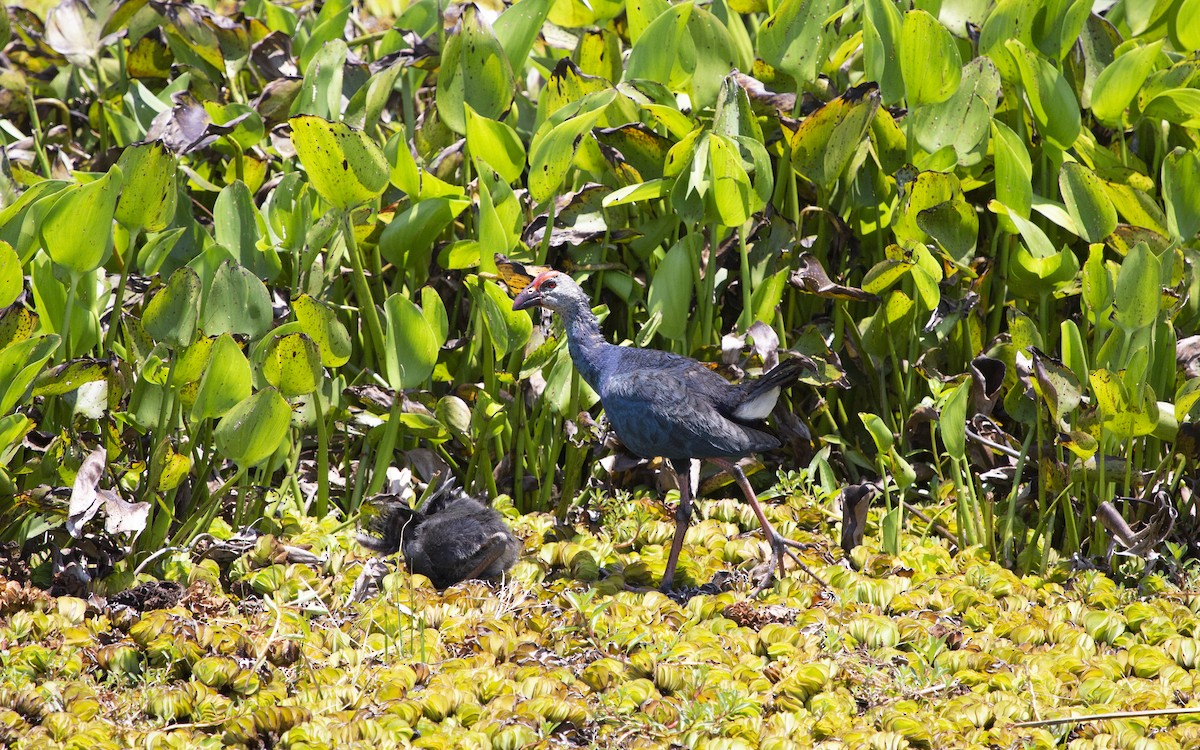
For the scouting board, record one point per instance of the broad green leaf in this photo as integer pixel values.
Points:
(1119, 83)
(509, 329)
(1097, 282)
(253, 430)
(322, 326)
(825, 141)
(643, 191)
(237, 302)
(476, 71)
(21, 222)
(1014, 172)
(955, 226)
(731, 195)
(344, 165)
(881, 48)
(1139, 289)
(12, 279)
(496, 145)
(1059, 27)
(413, 345)
(172, 314)
(238, 227)
(1124, 416)
(641, 148)
(1057, 385)
(567, 85)
(517, 29)
(961, 121)
(1053, 103)
(77, 230)
(670, 292)
(20, 363)
(330, 26)
(1010, 19)
(929, 60)
(147, 200)
(599, 54)
(878, 429)
(1176, 106)
(664, 52)
(554, 145)
(795, 38)
(320, 93)
(927, 191)
(434, 311)
(1184, 25)
(1181, 193)
(16, 324)
(292, 363)
(952, 423)
(1089, 206)
(640, 13)
(1033, 276)
(70, 375)
(226, 380)
(413, 232)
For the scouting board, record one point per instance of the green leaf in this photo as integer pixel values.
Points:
(509, 329)
(253, 430)
(69, 376)
(77, 230)
(1090, 207)
(1014, 172)
(1057, 385)
(962, 121)
(238, 227)
(881, 48)
(1053, 103)
(172, 314)
(226, 380)
(238, 302)
(292, 363)
(1176, 106)
(825, 141)
(952, 423)
(476, 71)
(322, 326)
(12, 279)
(929, 60)
(517, 29)
(413, 345)
(878, 429)
(1139, 289)
(670, 292)
(1120, 82)
(955, 226)
(20, 363)
(320, 93)
(412, 233)
(344, 165)
(496, 145)
(330, 26)
(1181, 193)
(147, 199)
(795, 39)
(1184, 26)
(553, 148)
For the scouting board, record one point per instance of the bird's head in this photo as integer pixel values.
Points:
(552, 290)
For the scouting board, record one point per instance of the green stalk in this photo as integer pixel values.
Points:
(387, 445)
(747, 303)
(115, 320)
(322, 458)
(363, 292)
(64, 345)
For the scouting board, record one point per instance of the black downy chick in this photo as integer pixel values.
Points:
(453, 537)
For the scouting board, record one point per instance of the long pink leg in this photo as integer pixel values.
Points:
(683, 514)
(779, 544)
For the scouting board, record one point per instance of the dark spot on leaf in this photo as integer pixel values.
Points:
(345, 164)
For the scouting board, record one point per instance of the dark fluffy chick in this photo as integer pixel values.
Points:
(453, 537)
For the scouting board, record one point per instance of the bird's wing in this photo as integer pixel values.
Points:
(670, 411)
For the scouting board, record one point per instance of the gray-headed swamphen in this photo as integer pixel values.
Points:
(666, 405)
(451, 538)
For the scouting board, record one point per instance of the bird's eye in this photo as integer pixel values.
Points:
(549, 284)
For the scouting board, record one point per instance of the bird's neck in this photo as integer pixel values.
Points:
(585, 341)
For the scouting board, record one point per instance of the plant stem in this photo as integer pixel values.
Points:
(64, 345)
(126, 263)
(363, 292)
(322, 458)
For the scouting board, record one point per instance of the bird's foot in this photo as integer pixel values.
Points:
(781, 547)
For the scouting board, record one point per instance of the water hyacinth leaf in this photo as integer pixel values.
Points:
(518, 27)
(476, 71)
(16, 324)
(226, 380)
(1014, 172)
(1184, 26)
(1120, 82)
(643, 191)
(509, 329)
(1138, 290)
(76, 29)
(413, 345)
(172, 314)
(670, 293)
(434, 311)
(253, 430)
(1034, 276)
(567, 85)
(147, 200)
(12, 279)
(878, 429)
(69, 376)
(1185, 398)
(330, 26)
(237, 302)
(292, 363)
(1122, 416)
(21, 222)
(1057, 384)
(730, 194)
(323, 327)
(929, 60)
(881, 45)
(495, 144)
(1051, 99)
(955, 226)
(553, 148)
(20, 363)
(928, 190)
(320, 94)
(663, 51)
(962, 121)
(237, 226)
(952, 423)
(794, 38)
(77, 229)
(1176, 106)
(1181, 193)
(825, 141)
(642, 148)
(344, 165)
(1090, 207)
(413, 232)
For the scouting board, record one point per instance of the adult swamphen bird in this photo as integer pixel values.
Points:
(453, 537)
(663, 404)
